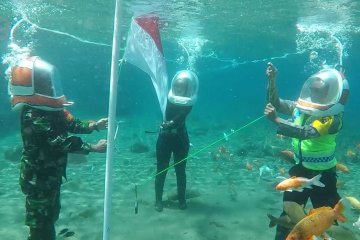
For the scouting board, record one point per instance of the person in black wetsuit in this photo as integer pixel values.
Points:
(173, 137)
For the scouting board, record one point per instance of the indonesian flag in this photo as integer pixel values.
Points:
(144, 50)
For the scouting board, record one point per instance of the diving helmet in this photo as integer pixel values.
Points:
(36, 83)
(324, 93)
(184, 88)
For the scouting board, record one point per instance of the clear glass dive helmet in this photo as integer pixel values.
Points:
(184, 88)
(324, 93)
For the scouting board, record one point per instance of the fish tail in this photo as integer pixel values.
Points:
(316, 181)
(339, 209)
(272, 220)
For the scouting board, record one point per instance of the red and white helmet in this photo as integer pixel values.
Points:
(36, 83)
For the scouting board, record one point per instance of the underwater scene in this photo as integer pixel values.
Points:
(135, 82)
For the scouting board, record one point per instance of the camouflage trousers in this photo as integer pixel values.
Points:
(42, 191)
(42, 211)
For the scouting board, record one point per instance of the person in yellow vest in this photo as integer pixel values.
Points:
(317, 118)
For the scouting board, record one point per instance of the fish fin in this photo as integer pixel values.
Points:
(315, 210)
(316, 181)
(318, 238)
(69, 234)
(63, 231)
(311, 211)
(298, 189)
(342, 218)
(325, 236)
(339, 209)
(272, 220)
(319, 209)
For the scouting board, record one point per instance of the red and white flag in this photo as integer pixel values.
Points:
(144, 50)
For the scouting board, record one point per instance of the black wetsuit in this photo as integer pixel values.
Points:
(173, 140)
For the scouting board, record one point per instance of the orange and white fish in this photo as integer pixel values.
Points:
(299, 183)
(317, 222)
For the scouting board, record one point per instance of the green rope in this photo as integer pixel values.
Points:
(204, 148)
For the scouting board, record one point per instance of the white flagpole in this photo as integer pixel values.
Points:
(112, 121)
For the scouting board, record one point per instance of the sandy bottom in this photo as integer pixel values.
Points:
(228, 199)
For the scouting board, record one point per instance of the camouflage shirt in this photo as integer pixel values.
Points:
(45, 146)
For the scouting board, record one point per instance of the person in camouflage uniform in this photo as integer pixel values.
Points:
(43, 163)
(45, 125)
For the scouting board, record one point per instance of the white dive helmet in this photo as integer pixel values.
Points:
(36, 83)
(324, 93)
(184, 88)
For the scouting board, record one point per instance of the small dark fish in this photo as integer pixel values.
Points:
(65, 230)
(136, 207)
(217, 224)
(69, 234)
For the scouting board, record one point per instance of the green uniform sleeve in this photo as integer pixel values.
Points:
(74, 125)
(50, 130)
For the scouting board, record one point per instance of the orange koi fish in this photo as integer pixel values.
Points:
(317, 222)
(249, 166)
(282, 171)
(299, 183)
(351, 154)
(342, 167)
(288, 156)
